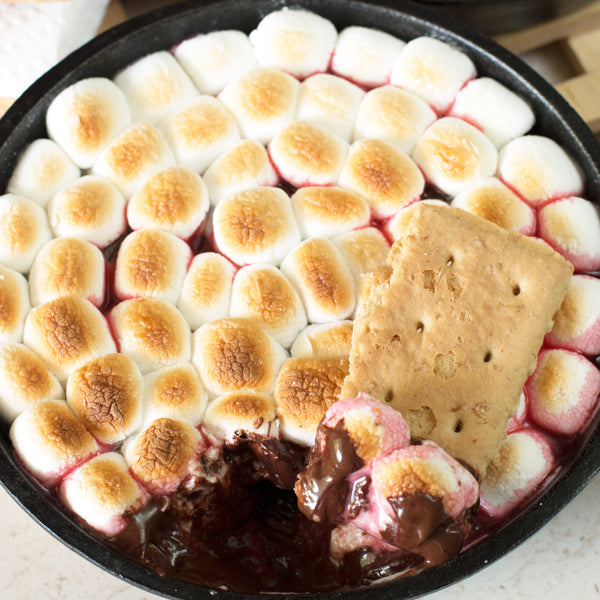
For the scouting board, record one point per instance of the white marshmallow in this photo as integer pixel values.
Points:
(387, 178)
(395, 116)
(262, 101)
(87, 115)
(23, 231)
(67, 267)
(200, 131)
(395, 226)
(241, 414)
(14, 305)
(103, 493)
(494, 201)
(245, 166)
(66, 333)
(500, 113)
(42, 169)
(174, 392)
(324, 339)
(329, 102)
(155, 86)
(263, 294)
(174, 200)
(454, 154)
(363, 250)
(50, 441)
(572, 227)
(152, 332)
(366, 56)
(298, 42)
(106, 395)
(255, 226)
(151, 262)
(213, 59)
(25, 381)
(434, 70)
(206, 289)
(318, 271)
(91, 209)
(133, 156)
(539, 170)
(326, 211)
(519, 419)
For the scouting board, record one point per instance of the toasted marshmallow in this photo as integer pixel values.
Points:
(539, 170)
(577, 321)
(255, 226)
(23, 231)
(563, 391)
(306, 387)
(263, 294)
(495, 202)
(84, 117)
(151, 262)
(366, 56)
(363, 250)
(162, 455)
(66, 333)
(200, 131)
(175, 200)
(133, 156)
(106, 395)
(523, 461)
(245, 166)
(328, 211)
(237, 415)
(433, 70)
(236, 354)
(499, 112)
(262, 101)
(14, 305)
(213, 59)
(91, 209)
(51, 441)
(67, 267)
(572, 227)
(174, 392)
(318, 271)
(206, 289)
(306, 154)
(454, 154)
(298, 42)
(387, 178)
(332, 339)
(41, 171)
(329, 102)
(395, 116)
(396, 225)
(155, 86)
(103, 493)
(25, 381)
(152, 332)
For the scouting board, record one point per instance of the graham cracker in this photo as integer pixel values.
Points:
(450, 339)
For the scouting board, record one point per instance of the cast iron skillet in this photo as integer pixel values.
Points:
(161, 29)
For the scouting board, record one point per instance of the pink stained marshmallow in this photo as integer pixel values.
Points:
(572, 227)
(563, 391)
(524, 460)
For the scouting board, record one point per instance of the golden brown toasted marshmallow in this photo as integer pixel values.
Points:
(363, 249)
(324, 339)
(66, 333)
(106, 395)
(387, 178)
(67, 267)
(14, 305)
(175, 200)
(306, 387)
(152, 332)
(235, 354)
(26, 381)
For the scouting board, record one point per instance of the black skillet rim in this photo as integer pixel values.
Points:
(164, 27)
